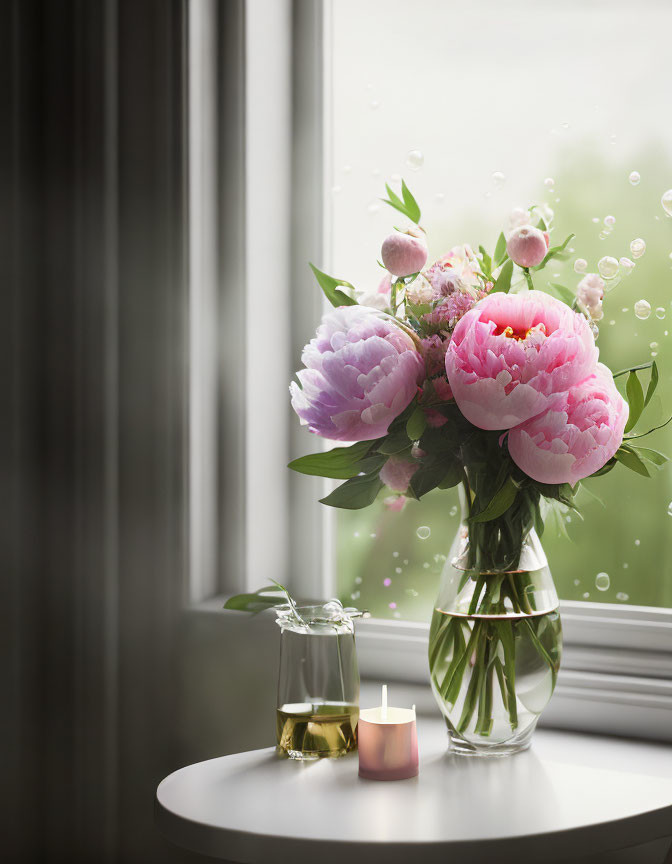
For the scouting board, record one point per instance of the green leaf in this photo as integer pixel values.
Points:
(649, 431)
(452, 477)
(635, 395)
(416, 424)
(631, 460)
(408, 206)
(503, 282)
(486, 262)
(339, 463)
(411, 204)
(394, 443)
(499, 503)
(633, 369)
(554, 252)
(356, 493)
(329, 285)
(500, 250)
(653, 383)
(254, 602)
(650, 455)
(562, 293)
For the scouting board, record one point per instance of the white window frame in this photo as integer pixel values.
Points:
(616, 673)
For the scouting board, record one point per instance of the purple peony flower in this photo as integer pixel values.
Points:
(361, 371)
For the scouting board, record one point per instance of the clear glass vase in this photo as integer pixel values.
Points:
(495, 639)
(318, 683)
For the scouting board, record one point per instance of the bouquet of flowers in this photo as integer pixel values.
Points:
(474, 371)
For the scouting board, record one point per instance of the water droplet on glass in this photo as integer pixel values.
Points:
(358, 580)
(440, 197)
(634, 178)
(356, 534)
(660, 312)
(387, 582)
(622, 596)
(669, 509)
(355, 595)
(580, 265)
(395, 554)
(452, 511)
(638, 542)
(374, 103)
(642, 309)
(595, 220)
(610, 221)
(626, 265)
(638, 248)
(397, 570)
(426, 565)
(607, 266)
(625, 565)
(423, 532)
(549, 182)
(666, 201)
(411, 592)
(602, 581)
(577, 581)
(415, 160)
(585, 595)
(498, 179)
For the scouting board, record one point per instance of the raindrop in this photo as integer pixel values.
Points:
(549, 182)
(415, 160)
(634, 178)
(498, 179)
(397, 570)
(625, 565)
(577, 581)
(594, 329)
(622, 596)
(660, 312)
(626, 265)
(638, 542)
(395, 554)
(607, 266)
(610, 221)
(602, 581)
(426, 565)
(580, 265)
(642, 309)
(666, 201)
(595, 220)
(637, 248)
(358, 580)
(423, 532)
(387, 582)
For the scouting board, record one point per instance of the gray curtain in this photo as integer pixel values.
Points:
(94, 298)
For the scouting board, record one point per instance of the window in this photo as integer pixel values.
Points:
(488, 110)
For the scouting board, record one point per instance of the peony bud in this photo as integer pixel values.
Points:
(404, 254)
(526, 246)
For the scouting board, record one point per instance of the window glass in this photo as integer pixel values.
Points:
(511, 105)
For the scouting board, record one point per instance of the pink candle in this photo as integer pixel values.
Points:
(387, 742)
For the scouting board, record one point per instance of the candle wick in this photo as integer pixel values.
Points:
(383, 710)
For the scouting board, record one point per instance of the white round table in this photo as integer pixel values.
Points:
(569, 795)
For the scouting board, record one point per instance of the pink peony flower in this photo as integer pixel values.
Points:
(404, 254)
(458, 268)
(361, 371)
(433, 349)
(576, 436)
(527, 246)
(512, 354)
(589, 292)
(396, 473)
(449, 311)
